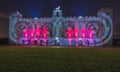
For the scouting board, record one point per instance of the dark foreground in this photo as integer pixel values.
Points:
(25, 59)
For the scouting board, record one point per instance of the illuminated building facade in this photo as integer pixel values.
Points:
(61, 31)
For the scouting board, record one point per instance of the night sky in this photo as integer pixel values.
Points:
(43, 8)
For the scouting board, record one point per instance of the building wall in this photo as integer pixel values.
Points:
(63, 31)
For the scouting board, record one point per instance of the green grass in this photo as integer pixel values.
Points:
(59, 60)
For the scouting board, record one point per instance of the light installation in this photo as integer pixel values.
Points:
(59, 30)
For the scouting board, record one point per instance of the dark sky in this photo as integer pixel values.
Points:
(41, 8)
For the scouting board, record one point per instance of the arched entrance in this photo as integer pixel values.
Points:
(80, 42)
(94, 42)
(87, 42)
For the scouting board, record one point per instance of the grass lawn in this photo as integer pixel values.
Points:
(25, 59)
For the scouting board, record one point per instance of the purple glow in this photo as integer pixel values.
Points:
(45, 32)
(83, 33)
(76, 31)
(38, 32)
(25, 33)
(90, 35)
(69, 32)
(32, 33)
(90, 32)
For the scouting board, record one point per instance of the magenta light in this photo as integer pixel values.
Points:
(32, 33)
(69, 32)
(69, 35)
(90, 35)
(38, 32)
(45, 32)
(44, 35)
(76, 34)
(25, 33)
(83, 33)
(76, 30)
